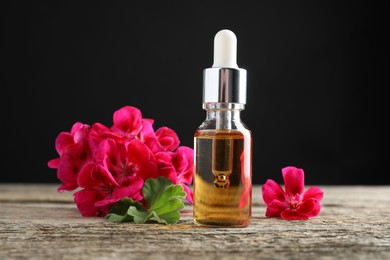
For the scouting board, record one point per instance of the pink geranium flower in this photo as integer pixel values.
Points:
(118, 172)
(101, 190)
(178, 167)
(127, 125)
(167, 138)
(127, 121)
(74, 150)
(108, 164)
(163, 140)
(294, 203)
(123, 160)
(183, 162)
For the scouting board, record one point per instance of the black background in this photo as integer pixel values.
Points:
(316, 97)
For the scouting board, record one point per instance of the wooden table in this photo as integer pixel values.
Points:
(36, 222)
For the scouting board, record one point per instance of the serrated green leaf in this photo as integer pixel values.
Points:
(123, 205)
(139, 216)
(118, 213)
(171, 192)
(163, 198)
(155, 217)
(119, 218)
(164, 206)
(169, 212)
(153, 188)
(170, 206)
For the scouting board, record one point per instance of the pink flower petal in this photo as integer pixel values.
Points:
(272, 191)
(54, 163)
(309, 208)
(85, 200)
(147, 129)
(117, 171)
(137, 152)
(96, 135)
(131, 188)
(289, 214)
(108, 148)
(67, 172)
(63, 140)
(148, 136)
(104, 176)
(92, 176)
(127, 121)
(76, 127)
(98, 128)
(82, 134)
(106, 201)
(190, 195)
(313, 193)
(275, 207)
(316, 210)
(112, 156)
(147, 170)
(167, 138)
(165, 167)
(294, 181)
(84, 178)
(183, 161)
(66, 187)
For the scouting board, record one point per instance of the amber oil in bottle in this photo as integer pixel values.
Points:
(223, 185)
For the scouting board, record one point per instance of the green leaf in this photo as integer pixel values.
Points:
(119, 218)
(153, 188)
(169, 214)
(163, 199)
(139, 216)
(118, 213)
(169, 200)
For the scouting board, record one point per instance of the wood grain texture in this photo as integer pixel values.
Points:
(36, 222)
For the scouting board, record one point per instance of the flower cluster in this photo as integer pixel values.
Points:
(107, 164)
(294, 203)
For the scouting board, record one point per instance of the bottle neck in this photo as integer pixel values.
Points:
(223, 115)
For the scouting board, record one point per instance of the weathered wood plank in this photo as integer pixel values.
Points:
(33, 193)
(42, 224)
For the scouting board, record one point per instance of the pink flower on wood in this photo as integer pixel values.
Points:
(294, 203)
(101, 190)
(108, 164)
(123, 160)
(75, 152)
(183, 162)
(178, 167)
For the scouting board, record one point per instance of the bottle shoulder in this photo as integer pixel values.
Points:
(234, 125)
(210, 131)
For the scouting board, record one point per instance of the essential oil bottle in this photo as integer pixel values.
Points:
(222, 143)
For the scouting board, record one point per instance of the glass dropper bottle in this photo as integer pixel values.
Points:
(222, 143)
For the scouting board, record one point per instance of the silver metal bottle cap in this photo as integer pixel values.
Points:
(224, 85)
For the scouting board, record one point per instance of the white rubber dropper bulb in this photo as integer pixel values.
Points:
(225, 50)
